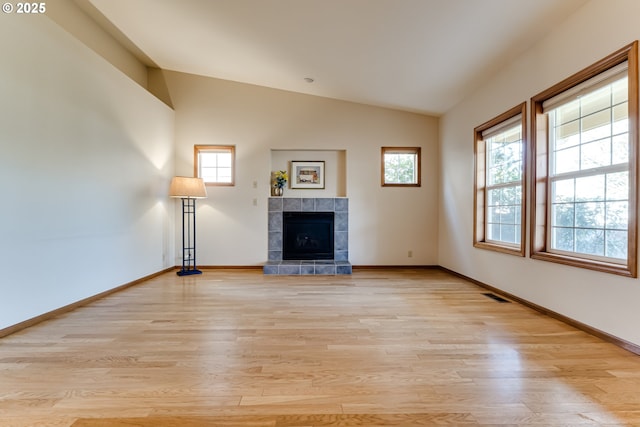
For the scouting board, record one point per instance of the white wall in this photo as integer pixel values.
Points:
(86, 155)
(604, 301)
(384, 222)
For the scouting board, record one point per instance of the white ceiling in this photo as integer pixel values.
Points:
(415, 55)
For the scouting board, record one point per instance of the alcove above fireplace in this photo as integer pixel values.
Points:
(334, 261)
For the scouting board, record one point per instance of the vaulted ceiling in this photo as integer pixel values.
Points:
(416, 55)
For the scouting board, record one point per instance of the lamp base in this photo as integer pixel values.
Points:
(188, 272)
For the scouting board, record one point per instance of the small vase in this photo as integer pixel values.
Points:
(277, 191)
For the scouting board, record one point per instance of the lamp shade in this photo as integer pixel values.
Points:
(182, 186)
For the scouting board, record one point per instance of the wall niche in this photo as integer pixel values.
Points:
(335, 169)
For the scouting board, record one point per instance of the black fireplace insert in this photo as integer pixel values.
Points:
(307, 235)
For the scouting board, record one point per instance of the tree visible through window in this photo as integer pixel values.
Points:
(400, 166)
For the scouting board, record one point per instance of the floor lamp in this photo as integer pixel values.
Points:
(188, 189)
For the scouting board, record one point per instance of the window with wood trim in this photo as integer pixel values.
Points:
(215, 164)
(400, 167)
(585, 145)
(500, 170)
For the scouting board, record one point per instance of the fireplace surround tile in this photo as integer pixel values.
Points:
(325, 205)
(291, 204)
(308, 205)
(339, 265)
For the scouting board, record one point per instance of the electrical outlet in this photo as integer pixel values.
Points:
(255, 202)
(410, 254)
(255, 184)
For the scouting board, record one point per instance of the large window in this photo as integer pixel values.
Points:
(500, 182)
(215, 164)
(400, 167)
(585, 145)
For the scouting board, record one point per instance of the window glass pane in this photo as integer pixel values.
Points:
(618, 186)
(504, 157)
(590, 188)
(563, 191)
(400, 168)
(567, 135)
(620, 118)
(512, 195)
(590, 241)
(596, 126)
(590, 215)
(208, 160)
(567, 160)
(620, 91)
(563, 215)
(563, 239)
(507, 214)
(224, 160)
(493, 232)
(616, 244)
(620, 149)
(503, 214)
(596, 154)
(508, 233)
(208, 175)
(494, 153)
(224, 175)
(617, 216)
(493, 214)
(494, 196)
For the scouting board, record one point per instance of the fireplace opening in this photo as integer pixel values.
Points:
(307, 235)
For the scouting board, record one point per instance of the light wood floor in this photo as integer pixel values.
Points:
(378, 348)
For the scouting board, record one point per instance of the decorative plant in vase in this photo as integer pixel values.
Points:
(281, 178)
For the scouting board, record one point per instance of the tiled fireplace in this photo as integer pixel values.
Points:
(340, 262)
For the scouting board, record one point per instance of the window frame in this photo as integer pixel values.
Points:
(541, 189)
(197, 149)
(401, 150)
(480, 184)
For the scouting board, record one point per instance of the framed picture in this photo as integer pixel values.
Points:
(307, 174)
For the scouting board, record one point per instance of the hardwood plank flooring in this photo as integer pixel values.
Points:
(399, 347)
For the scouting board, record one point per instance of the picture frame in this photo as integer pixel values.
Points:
(307, 174)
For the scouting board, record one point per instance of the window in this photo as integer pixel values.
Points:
(215, 164)
(585, 144)
(400, 167)
(500, 183)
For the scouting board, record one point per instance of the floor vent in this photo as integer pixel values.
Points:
(495, 297)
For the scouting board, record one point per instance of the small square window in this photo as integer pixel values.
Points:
(400, 166)
(215, 164)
